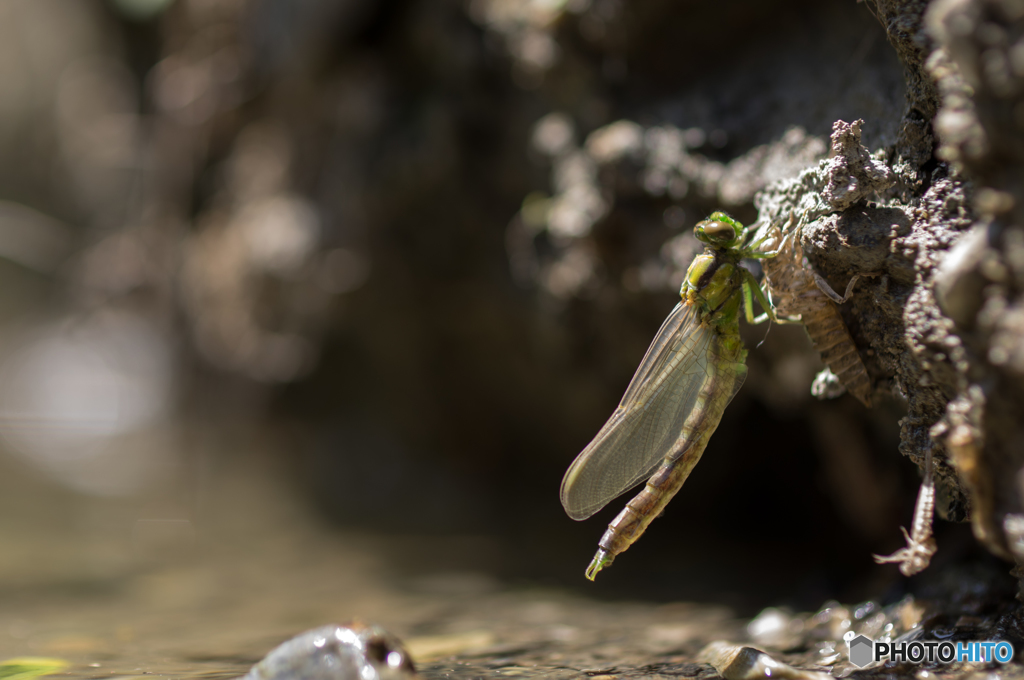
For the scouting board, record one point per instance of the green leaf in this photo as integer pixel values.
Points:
(28, 667)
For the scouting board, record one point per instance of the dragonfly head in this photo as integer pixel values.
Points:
(719, 231)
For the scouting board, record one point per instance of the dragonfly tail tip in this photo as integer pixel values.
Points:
(601, 560)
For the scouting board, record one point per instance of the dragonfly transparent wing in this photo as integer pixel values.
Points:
(647, 424)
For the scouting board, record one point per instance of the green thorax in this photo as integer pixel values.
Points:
(714, 282)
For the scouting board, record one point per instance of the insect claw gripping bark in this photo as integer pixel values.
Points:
(916, 557)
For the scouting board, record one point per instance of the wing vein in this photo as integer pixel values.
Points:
(650, 419)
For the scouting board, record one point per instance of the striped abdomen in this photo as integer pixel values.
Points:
(726, 372)
(794, 292)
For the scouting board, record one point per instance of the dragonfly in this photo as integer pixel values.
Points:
(691, 372)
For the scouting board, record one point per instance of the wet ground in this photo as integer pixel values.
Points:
(174, 602)
(209, 598)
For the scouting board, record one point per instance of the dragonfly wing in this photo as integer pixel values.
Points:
(648, 422)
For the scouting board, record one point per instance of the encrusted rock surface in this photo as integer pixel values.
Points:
(943, 235)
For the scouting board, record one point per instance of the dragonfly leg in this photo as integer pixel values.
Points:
(761, 319)
(766, 255)
(751, 290)
(789, 232)
(748, 304)
(757, 244)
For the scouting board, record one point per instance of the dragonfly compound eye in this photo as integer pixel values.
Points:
(715, 232)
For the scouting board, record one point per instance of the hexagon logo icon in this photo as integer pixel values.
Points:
(861, 651)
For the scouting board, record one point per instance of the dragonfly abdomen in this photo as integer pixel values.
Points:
(679, 462)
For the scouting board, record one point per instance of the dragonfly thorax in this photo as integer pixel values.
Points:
(714, 282)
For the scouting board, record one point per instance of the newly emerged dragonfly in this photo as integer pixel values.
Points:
(675, 401)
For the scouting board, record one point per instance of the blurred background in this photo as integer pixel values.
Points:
(373, 272)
